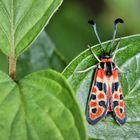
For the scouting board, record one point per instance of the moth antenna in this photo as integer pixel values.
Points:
(118, 20)
(93, 23)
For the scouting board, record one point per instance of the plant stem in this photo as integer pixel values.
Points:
(12, 67)
(12, 58)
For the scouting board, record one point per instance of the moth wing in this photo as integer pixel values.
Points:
(96, 108)
(118, 105)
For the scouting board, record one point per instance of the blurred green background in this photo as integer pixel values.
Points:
(69, 32)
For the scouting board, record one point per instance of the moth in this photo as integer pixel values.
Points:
(106, 94)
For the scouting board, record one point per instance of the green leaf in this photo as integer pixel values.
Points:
(41, 106)
(128, 59)
(21, 21)
(3, 62)
(42, 54)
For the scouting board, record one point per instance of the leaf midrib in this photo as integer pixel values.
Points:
(12, 38)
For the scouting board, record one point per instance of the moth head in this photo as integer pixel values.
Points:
(105, 55)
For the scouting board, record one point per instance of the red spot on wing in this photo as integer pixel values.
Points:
(119, 114)
(92, 116)
(94, 90)
(99, 111)
(116, 96)
(120, 90)
(101, 96)
(100, 73)
(93, 104)
(115, 74)
(97, 114)
(121, 103)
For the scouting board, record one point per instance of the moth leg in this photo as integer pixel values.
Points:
(118, 44)
(83, 71)
(121, 71)
(94, 54)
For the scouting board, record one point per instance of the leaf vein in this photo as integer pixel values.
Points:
(7, 95)
(4, 31)
(4, 8)
(30, 30)
(24, 15)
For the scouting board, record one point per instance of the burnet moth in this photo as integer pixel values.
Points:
(106, 92)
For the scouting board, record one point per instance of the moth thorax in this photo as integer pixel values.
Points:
(108, 67)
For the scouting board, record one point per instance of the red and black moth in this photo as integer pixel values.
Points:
(106, 92)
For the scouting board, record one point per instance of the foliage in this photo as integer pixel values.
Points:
(21, 22)
(42, 105)
(41, 55)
